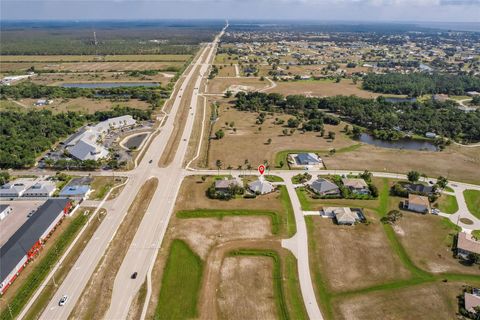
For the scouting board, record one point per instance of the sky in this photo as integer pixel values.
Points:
(321, 10)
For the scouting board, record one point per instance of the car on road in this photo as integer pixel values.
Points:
(435, 211)
(134, 275)
(150, 161)
(431, 182)
(63, 301)
(30, 214)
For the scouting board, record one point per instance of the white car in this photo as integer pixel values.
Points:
(63, 301)
(435, 211)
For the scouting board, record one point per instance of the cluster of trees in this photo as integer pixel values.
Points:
(417, 84)
(36, 91)
(443, 118)
(213, 72)
(227, 194)
(25, 135)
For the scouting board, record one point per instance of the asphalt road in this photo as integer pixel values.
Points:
(154, 224)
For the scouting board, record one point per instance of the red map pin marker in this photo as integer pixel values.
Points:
(261, 169)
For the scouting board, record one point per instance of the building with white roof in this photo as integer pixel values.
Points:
(261, 186)
(40, 189)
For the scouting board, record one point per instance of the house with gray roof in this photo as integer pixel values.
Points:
(88, 150)
(40, 189)
(261, 186)
(324, 187)
(307, 159)
(12, 190)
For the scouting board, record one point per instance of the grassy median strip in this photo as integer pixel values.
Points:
(279, 291)
(41, 270)
(181, 284)
(290, 216)
(96, 297)
(47, 293)
(213, 213)
(472, 198)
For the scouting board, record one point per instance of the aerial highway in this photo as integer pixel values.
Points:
(152, 228)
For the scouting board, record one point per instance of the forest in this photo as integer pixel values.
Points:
(442, 118)
(26, 135)
(417, 84)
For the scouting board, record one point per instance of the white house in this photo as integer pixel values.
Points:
(261, 186)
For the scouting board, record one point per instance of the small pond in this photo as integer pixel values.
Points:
(407, 144)
(90, 85)
(135, 141)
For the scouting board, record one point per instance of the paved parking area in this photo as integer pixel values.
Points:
(18, 216)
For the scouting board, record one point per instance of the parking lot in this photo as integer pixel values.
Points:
(18, 216)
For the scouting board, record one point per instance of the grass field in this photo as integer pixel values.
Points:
(102, 185)
(447, 204)
(181, 282)
(472, 198)
(84, 58)
(220, 85)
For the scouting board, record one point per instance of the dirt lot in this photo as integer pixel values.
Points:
(322, 88)
(246, 288)
(250, 143)
(430, 301)
(226, 70)
(428, 242)
(456, 163)
(353, 257)
(220, 85)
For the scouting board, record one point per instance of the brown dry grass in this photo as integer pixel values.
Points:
(246, 288)
(456, 163)
(93, 58)
(82, 105)
(220, 85)
(322, 88)
(57, 79)
(354, 257)
(95, 299)
(249, 143)
(430, 301)
(226, 70)
(428, 242)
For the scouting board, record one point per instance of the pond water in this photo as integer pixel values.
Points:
(407, 144)
(90, 85)
(135, 141)
(394, 100)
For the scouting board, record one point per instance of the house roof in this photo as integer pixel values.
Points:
(343, 214)
(86, 150)
(412, 187)
(418, 200)
(306, 158)
(468, 243)
(355, 183)
(225, 183)
(28, 234)
(41, 188)
(471, 301)
(261, 186)
(3, 207)
(11, 188)
(323, 185)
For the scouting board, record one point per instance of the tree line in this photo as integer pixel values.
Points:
(417, 84)
(442, 118)
(26, 135)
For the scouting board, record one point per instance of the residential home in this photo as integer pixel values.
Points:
(472, 300)
(224, 185)
(356, 185)
(342, 215)
(324, 187)
(307, 159)
(261, 186)
(418, 203)
(418, 188)
(466, 245)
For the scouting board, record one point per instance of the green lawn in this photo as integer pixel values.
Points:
(181, 283)
(290, 216)
(447, 203)
(272, 178)
(476, 234)
(472, 198)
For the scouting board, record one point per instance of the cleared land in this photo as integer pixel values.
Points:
(322, 88)
(102, 185)
(60, 78)
(430, 301)
(84, 58)
(248, 142)
(95, 298)
(472, 198)
(220, 85)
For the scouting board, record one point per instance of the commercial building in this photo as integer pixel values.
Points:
(5, 210)
(28, 240)
(40, 189)
(77, 188)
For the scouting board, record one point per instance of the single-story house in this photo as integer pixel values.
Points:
(261, 186)
(418, 188)
(418, 203)
(307, 159)
(356, 185)
(5, 210)
(224, 185)
(472, 300)
(342, 215)
(467, 245)
(324, 187)
(40, 189)
(28, 240)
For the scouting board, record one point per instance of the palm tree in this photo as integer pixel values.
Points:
(219, 165)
